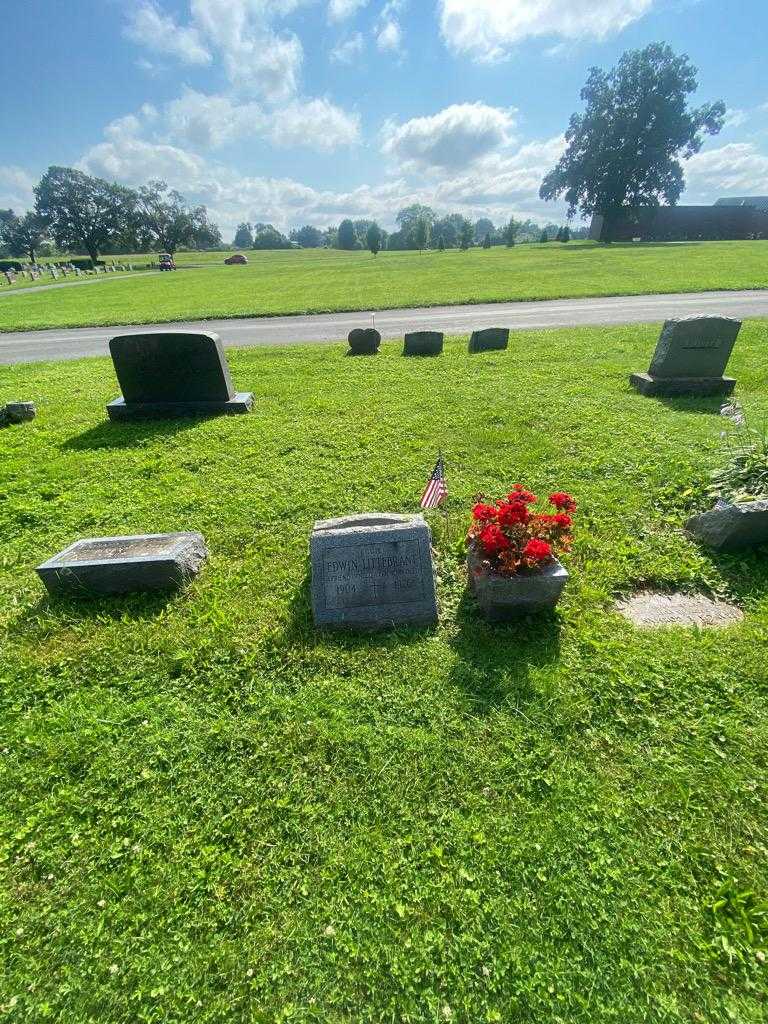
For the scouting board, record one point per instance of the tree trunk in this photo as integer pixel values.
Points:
(93, 252)
(31, 254)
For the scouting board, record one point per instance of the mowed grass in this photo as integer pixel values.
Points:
(316, 281)
(21, 283)
(211, 812)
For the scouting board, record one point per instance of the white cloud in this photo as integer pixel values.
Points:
(208, 122)
(487, 28)
(389, 36)
(738, 168)
(735, 118)
(149, 27)
(449, 140)
(316, 123)
(340, 9)
(16, 189)
(347, 50)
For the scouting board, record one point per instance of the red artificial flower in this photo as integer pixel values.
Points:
(519, 493)
(513, 512)
(493, 539)
(563, 502)
(537, 550)
(563, 520)
(483, 513)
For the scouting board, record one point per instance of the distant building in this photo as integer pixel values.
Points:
(727, 220)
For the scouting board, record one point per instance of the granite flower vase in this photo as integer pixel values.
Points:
(506, 598)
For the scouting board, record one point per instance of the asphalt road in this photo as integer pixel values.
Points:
(33, 346)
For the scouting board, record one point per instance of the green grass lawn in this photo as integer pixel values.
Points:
(318, 280)
(210, 812)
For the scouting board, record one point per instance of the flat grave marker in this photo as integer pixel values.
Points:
(123, 565)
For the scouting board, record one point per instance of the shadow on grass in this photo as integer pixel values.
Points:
(708, 406)
(60, 611)
(494, 660)
(127, 435)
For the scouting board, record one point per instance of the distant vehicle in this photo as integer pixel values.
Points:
(237, 258)
(166, 261)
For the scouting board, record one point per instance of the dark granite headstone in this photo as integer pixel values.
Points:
(490, 339)
(423, 343)
(728, 527)
(18, 412)
(690, 358)
(173, 373)
(364, 341)
(372, 572)
(122, 565)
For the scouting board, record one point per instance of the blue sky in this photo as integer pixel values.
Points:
(296, 111)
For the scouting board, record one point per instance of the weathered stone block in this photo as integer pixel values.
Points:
(505, 598)
(372, 571)
(488, 340)
(728, 527)
(364, 341)
(18, 412)
(121, 565)
(423, 343)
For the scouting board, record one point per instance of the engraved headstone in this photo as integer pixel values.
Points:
(364, 341)
(372, 571)
(173, 373)
(489, 340)
(122, 565)
(690, 358)
(423, 343)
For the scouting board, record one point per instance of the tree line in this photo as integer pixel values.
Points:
(83, 214)
(418, 227)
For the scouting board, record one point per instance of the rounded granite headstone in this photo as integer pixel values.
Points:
(364, 341)
(489, 340)
(423, 343)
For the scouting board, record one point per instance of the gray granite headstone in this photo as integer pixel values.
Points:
(364, 341)
(728, 527)
(423, 343)
(18, 412)
(490, 339)
(690, 358)
(173, 373)
(122, 565)
(372, 571)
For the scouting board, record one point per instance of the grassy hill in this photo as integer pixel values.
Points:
(210, 812)
(316, 281)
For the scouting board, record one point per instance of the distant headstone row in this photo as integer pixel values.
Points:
(367, 341)
(34, 271)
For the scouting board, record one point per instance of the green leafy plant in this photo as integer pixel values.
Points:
(744, 477)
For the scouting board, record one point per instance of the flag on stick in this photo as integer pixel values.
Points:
(436, 490)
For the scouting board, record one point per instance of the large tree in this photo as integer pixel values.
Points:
(308, 237)
(24, 235)
(422, 233)
(266, 236)
(83, 213)
(163, 216)
(205, 234)
(373, 238)
(624, 150)
(244, 236)
(466, 234)
(347, 237)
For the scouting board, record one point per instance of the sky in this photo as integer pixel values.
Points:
(307, 111)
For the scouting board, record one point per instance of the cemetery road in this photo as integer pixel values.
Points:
(34, 346)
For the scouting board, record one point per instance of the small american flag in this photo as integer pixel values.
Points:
(436, 490)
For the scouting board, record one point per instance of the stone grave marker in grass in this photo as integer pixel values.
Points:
(730, 526)
(490, 339)
(690, 358)
(123, 565)
(423, 343)
(363, 341)
(165, 374)
(372, 571)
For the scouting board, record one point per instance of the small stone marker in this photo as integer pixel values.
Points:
(18, 412)
(364, 341)
(122, 565)
(729, 527)
(372, 571)
(423, 343)
(173, 373)
(690, 358)
(490, 339)
(651, 609)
